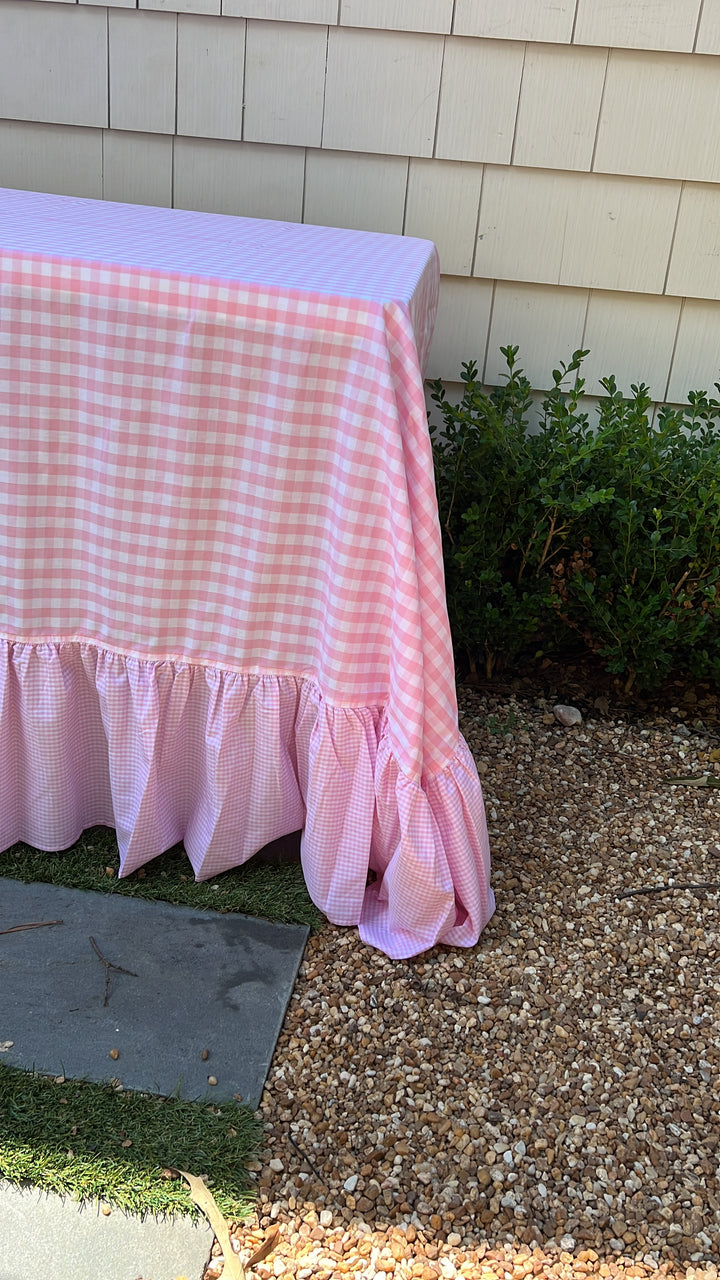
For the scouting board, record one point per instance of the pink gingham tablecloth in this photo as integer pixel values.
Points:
(223, 610)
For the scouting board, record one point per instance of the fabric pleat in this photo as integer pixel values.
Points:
(168, 752)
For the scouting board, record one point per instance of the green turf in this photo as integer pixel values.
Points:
(95, 1141)
(273, 892)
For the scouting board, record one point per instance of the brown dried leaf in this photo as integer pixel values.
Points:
(266, 1247)
(233, 1268)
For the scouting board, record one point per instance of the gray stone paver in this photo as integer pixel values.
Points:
(56, 1239)
(204, 981)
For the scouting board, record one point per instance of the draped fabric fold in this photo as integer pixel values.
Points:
(226, 762)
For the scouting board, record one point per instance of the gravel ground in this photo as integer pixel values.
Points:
(546, 1104)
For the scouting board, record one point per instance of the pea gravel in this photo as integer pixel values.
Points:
(546, 1104)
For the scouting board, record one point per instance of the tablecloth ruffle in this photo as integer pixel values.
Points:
(225, 761)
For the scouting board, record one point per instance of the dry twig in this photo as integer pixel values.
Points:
(669, 888)
(36, 924)
(116, 968)
(307, 1159)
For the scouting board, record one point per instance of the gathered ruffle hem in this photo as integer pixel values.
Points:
(165, 752)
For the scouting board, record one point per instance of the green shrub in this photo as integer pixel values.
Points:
(606, 532)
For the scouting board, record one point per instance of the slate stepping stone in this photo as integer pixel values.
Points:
(203, 981)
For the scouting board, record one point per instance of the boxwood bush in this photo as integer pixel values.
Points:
(603, 532)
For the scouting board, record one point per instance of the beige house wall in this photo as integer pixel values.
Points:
(564, 155)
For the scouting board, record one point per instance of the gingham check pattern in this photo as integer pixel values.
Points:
(224, 612)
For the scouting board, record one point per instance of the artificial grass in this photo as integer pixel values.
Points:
(271, 891)
(96, 1141)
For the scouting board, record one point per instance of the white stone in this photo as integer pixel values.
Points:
(277, 1166)
(567, 715)
(350, 1183)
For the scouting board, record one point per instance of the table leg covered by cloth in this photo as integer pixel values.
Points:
(222, 602)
